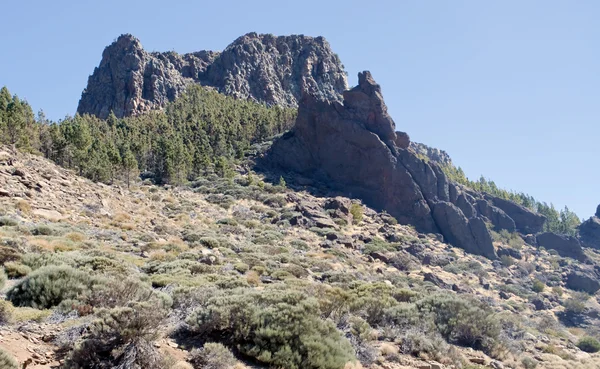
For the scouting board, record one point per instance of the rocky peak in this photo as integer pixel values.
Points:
(598, 211)
(353, 149)
(365, 103)
(439, 156)
(263, 68)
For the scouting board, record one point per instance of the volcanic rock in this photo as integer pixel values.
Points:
(263, 68)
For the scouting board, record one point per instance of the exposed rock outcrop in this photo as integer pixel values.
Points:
(585, 279)
(526, 221)
(353, 148)
(264, 68)
(566, 246)
(589, 231)
(439, 156)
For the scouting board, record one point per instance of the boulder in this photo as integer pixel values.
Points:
(584, 279)
(496, 216)
(566, 246)
(514, 253)
(402, 140)
(526, 221)
(589, 232)
(541, 303)
(439, 282)
(471, 234)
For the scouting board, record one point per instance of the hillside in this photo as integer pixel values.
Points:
(359, 270)
(184, 223)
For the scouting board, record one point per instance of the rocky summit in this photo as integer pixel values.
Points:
(354, 148)
(264, 68)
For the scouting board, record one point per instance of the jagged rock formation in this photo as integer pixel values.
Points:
(566, 246)
(439, 156)
(265, 68)
(589, 231)
(354, 148)
(584, 278)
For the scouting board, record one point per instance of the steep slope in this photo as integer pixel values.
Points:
(354, 149)
(232, 240)
(264, 68)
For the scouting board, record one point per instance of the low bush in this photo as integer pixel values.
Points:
(48, 286)
(589, 344)
(529, 363)
(357, 213)
(212, 356)
(576, 304)
(461, 320)
(7, 222)
(121, 338)
(3, 278)
(7, 361)
(5, 312)
(8, 254)
(279, 328)
(44, 230)
(538, 286)
(16, 270)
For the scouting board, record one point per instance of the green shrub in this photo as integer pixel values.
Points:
(8, 254)
(16, 270)
(121, 338)
(48, 286)
(6, 312)
(279, 328)
(7, 361)
(241, 267)
(357, 212)
(589, 344)
(2, 278)
(576, 304)
(212, 356)
(43, 230)
(538, 286)
(528, 362)
(461, 320)
(7, 222)
(507, 260)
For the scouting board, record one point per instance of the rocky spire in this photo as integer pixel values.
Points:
(354, 149)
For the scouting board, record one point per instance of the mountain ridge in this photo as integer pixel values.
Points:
(260, 67)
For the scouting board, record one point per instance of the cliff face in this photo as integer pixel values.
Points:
(354, 148)
(264, 68)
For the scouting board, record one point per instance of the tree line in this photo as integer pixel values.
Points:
(199, 132)
(562, 221)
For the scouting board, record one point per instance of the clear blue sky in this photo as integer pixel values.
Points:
(510, 89)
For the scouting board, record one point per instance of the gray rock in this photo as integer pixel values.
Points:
(497, 216)
(471, 234)
(430, 277)
(526, 221)
(585, 279)
(541, 304)
(436, 155)
(264, 68)
(353, 149)
(509, 252)
(566, 246)
(589, 233)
